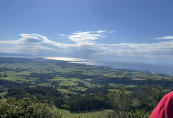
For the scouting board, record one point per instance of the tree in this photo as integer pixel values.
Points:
(27, 107)
(119, 100)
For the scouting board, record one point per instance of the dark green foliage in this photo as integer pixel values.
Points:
(119, 100)
(124, 114)
(144, 98)
(43, 94)
(149, 96)
(87, 103)
(5, 75)
(27, 107)
(138, 104)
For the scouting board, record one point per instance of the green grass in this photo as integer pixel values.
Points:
(98, 114)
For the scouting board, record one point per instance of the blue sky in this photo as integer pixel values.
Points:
(112, 30)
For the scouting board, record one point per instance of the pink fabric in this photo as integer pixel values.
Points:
(165, 107)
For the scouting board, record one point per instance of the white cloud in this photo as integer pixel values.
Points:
(37, 39)
(85, 38)
(31, 44)
(33, 39)
(165, 37)
(100, 31)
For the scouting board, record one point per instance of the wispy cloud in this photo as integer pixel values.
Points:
(113, 31)
(31, 43)
(100, 31)
(165, 37)
(86, 46)
(32, 39)
(37, 39)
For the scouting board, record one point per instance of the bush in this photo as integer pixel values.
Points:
(26, 108)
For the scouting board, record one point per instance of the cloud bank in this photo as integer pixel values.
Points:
(84, 45)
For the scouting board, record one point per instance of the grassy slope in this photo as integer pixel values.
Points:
(99, 114)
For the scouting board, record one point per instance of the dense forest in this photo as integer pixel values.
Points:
(36, 87)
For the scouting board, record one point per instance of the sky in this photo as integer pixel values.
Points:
(101, 30)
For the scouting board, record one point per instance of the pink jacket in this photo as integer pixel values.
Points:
(165, 107)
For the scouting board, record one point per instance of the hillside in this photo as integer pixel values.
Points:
(81, 88)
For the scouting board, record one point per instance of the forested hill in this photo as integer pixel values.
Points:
(56, 85)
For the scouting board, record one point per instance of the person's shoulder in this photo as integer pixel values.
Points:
(170, 94)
